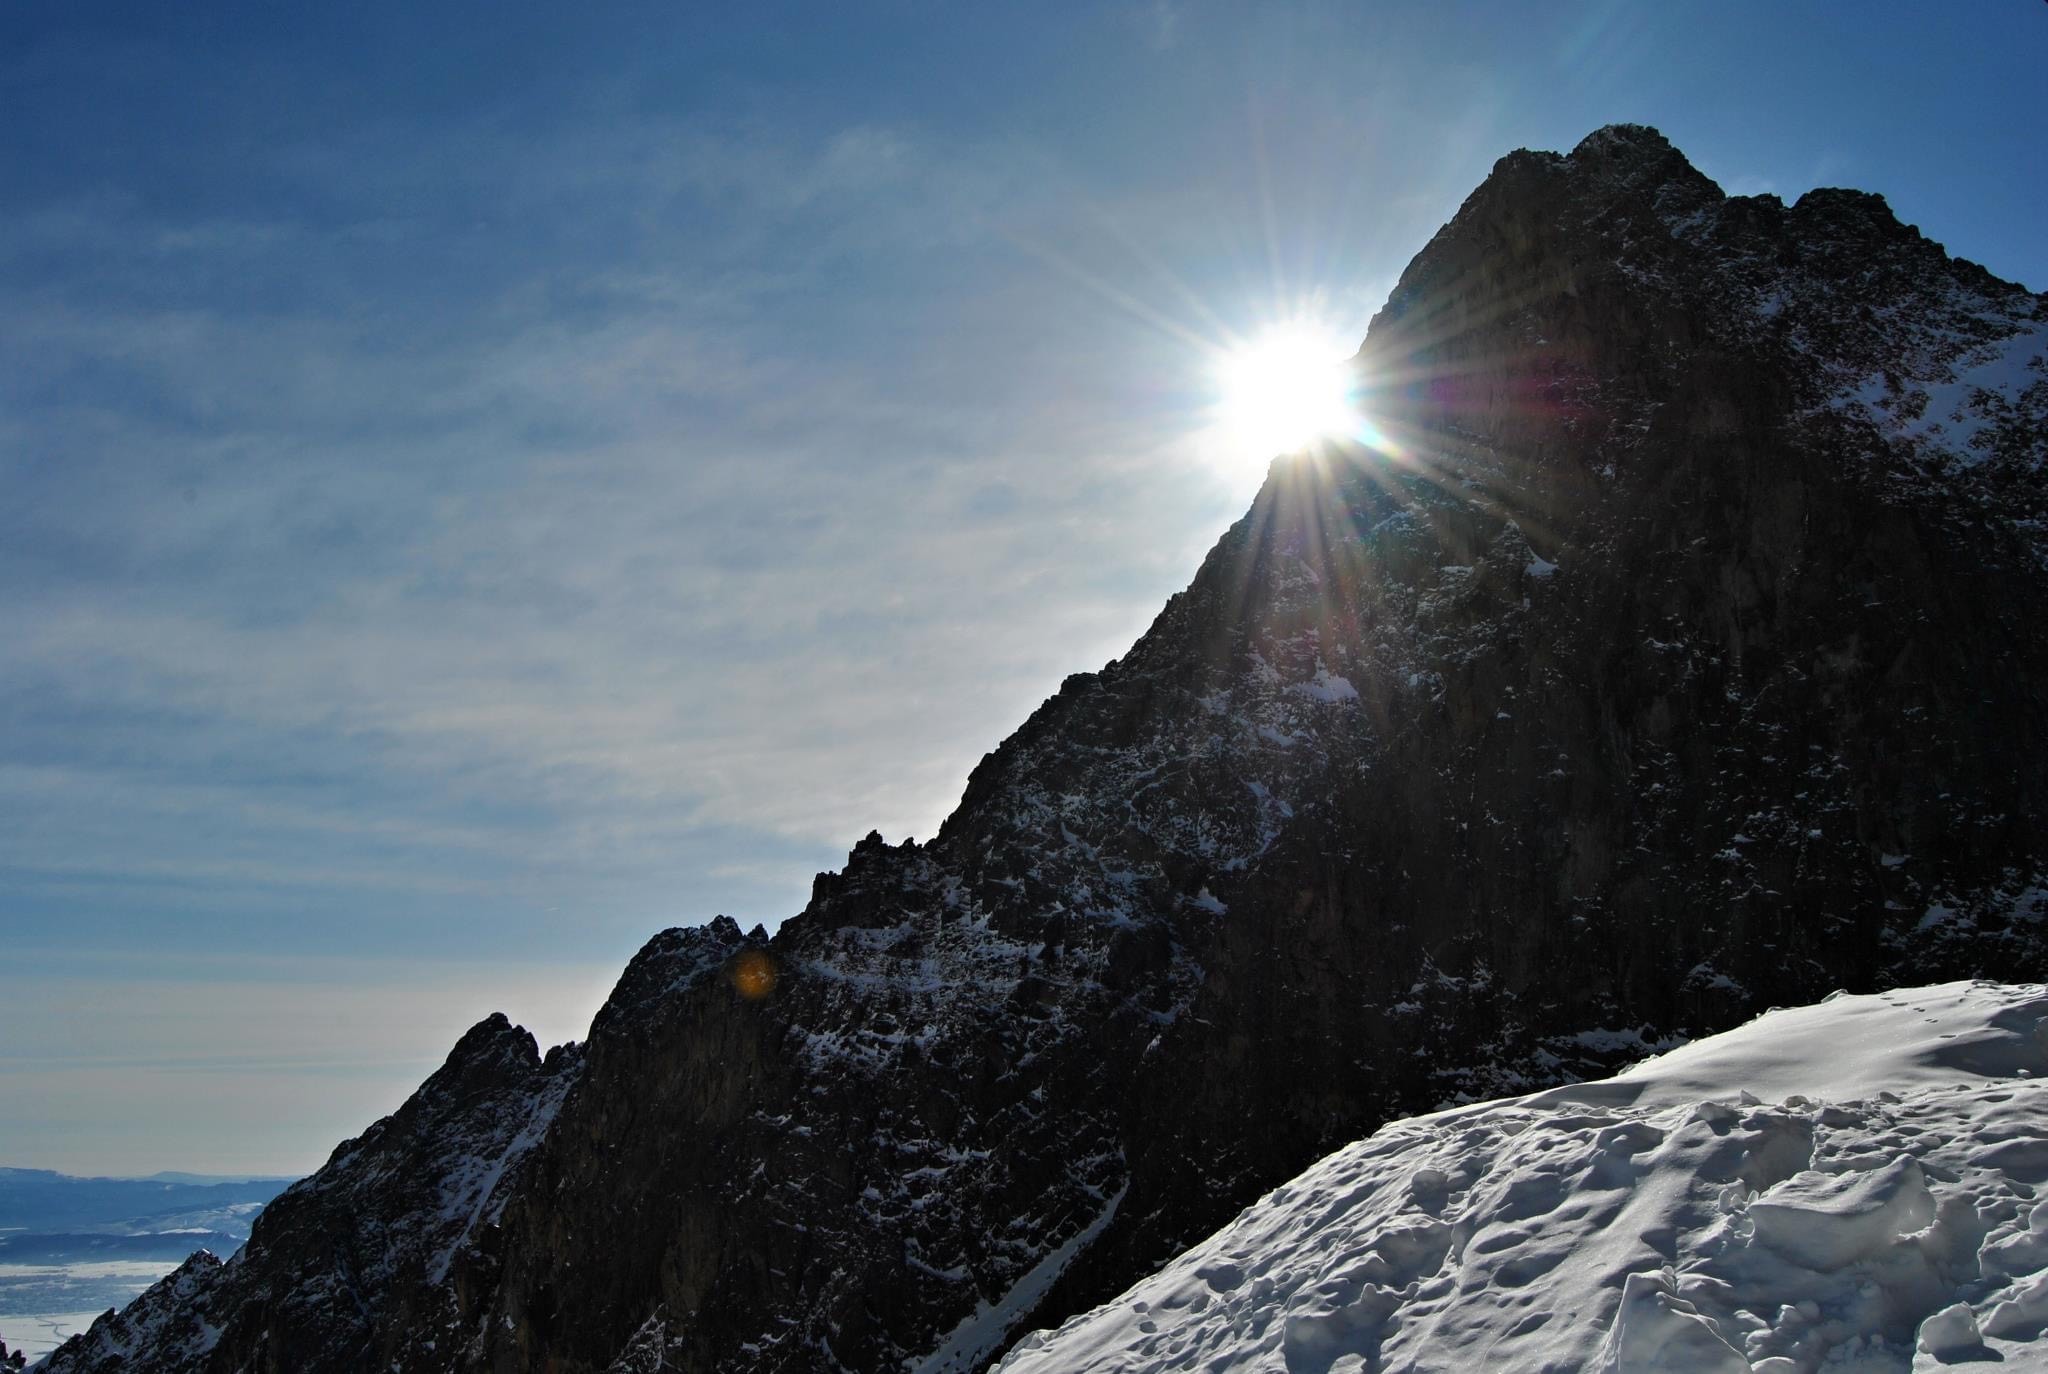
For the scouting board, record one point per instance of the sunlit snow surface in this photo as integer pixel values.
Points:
(37, 1334)
(1844, 1187)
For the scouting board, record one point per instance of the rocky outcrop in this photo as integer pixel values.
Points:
(1672, 646)
(355, 1267)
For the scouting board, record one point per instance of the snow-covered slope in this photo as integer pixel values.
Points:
(1852, 1186)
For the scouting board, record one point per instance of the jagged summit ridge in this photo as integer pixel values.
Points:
(1885, 330)
(1642, 648)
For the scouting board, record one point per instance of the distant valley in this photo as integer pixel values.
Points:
(70, 1248)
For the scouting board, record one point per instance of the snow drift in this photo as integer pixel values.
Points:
(1850, 1186)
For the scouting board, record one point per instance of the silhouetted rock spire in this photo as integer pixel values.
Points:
(1677, 651)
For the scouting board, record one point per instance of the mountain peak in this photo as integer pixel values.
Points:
(1683, 636)
(492, 1048)
(1624, 140)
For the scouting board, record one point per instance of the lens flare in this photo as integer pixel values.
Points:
(1286, 388)
(753, 974)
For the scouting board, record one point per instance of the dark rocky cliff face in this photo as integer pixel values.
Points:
(1676, 649)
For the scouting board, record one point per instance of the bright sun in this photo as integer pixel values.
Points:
(1286, 388)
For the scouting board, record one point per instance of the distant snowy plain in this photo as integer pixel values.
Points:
(70, 1248)
(36, 1334)
(43, 1305)
(1852, 1187)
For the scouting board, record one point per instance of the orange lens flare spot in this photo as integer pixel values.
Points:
(753, 974)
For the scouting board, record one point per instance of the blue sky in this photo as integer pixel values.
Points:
(485, 482)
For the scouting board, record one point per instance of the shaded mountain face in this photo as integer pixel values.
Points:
(1675, 649)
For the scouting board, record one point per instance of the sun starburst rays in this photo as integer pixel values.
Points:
(1285, 388)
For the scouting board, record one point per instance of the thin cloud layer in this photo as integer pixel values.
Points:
(486, 491)
(614, 567)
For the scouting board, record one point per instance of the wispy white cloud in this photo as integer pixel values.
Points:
(600, 565)
(495, 540)
(1159, 22)
(491, 491)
